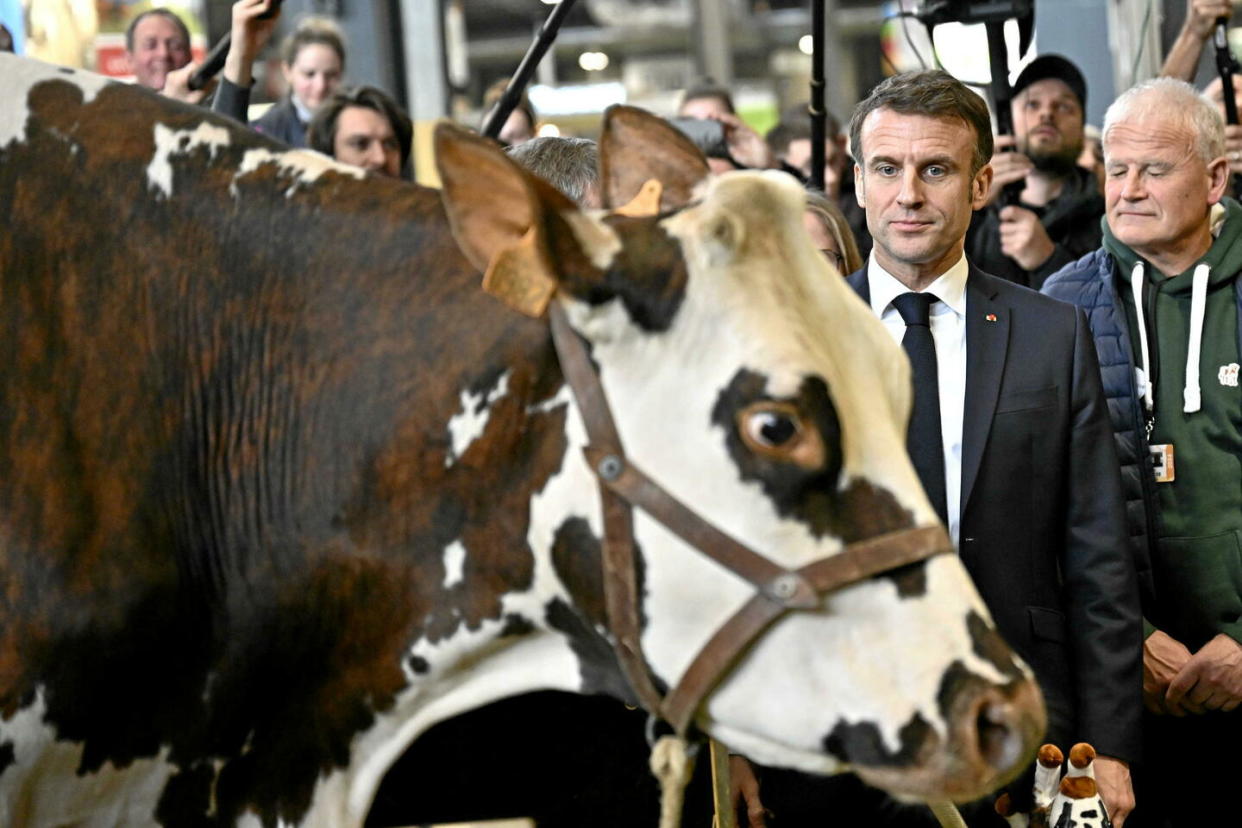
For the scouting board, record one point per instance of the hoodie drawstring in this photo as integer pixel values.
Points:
(1191, 397)
(1136, 286)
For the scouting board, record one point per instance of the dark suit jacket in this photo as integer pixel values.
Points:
(1043, 530)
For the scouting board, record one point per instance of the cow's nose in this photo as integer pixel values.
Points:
(992, 730)
(1002, 727)
(1001, 739)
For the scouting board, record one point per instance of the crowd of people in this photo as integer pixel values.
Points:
(1070, 301)
(359, 125)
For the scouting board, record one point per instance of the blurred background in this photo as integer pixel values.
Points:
(438, 57)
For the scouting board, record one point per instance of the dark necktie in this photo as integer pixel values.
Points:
(924, 441)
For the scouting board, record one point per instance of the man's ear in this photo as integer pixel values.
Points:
(859, 192)
(979, 187)
(1218, 179)
(636, 147)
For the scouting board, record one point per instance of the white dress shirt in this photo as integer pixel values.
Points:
(948, 328)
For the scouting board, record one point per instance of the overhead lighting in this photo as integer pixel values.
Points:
(575, 99)
(806, 44)
(550, 2)
(549, 131)
(593, 61)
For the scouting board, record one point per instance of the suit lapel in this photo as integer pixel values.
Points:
(987, 341)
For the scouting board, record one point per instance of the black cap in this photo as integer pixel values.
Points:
(1057, 68)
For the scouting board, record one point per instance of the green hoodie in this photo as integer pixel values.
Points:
(1198, 557)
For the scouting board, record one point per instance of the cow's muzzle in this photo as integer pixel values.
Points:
(993, 732)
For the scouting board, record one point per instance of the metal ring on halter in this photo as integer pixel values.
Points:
(610, 467)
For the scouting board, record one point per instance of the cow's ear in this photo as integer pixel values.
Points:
(637, 147)
(497, 213)
(490, 201)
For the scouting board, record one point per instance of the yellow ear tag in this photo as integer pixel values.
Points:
(646, 203)
(518, 277)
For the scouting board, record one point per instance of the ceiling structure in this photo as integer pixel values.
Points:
(654, 48)
(656, 45)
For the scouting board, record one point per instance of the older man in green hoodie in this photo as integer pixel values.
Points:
(1165, 305)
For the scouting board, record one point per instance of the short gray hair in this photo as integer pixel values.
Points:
(571, 165)
(1173, 100)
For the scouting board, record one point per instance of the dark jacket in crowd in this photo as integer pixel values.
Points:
(1186, 544)
(280, 121)
(231, 99)
(1072, 220)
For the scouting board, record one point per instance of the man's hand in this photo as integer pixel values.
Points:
(1112, 777)
(744, 790)
(1201, 16)
(177, 85)
(250, 33)
(745, 145)
(1233, 148)
(1007, 166)
(1210, 680)
(1023, 238)
(1163, 658)
(1182, 60)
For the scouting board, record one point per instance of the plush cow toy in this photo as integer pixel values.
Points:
(1069, 802)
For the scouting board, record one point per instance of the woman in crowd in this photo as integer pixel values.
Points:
(831, 233)
(312, 61)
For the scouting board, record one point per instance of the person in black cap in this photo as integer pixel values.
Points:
(1056, 219)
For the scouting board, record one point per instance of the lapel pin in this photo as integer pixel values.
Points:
(991, 317)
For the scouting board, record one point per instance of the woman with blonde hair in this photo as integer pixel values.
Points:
(831, 233)
(312, 59)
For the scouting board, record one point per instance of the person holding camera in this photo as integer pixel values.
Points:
(707, 117)
(1056, 218)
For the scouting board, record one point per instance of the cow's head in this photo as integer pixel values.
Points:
(748, 381)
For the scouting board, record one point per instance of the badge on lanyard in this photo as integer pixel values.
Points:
(1162, 460)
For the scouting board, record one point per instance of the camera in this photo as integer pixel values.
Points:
(704, 133)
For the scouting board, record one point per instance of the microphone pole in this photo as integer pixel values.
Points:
(819, 115)
(214, 62)
(1002, 96)
(495, 119)
(1226, 66)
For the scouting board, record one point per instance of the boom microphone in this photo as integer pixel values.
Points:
(214, 62)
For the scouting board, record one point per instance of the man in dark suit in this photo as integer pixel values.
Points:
(1025, 469)
(1009, 434)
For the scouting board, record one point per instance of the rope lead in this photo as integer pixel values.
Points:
(672, 766)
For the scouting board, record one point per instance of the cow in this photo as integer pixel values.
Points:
(281, 486)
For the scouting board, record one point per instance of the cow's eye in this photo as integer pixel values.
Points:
(778, 431)
(771, 429)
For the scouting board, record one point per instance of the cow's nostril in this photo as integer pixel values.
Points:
(999, 742)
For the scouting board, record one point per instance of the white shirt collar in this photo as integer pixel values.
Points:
(949, 287)
(303, 111)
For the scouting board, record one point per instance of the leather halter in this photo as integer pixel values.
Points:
(778, 590)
